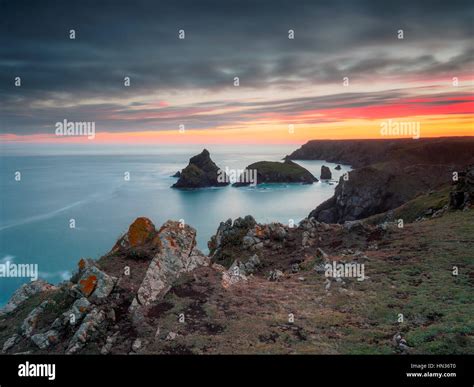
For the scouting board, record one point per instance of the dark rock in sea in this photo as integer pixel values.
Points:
(325, 173)
(338, 167)
(462, 193)
(201, 172)
(276, 172)
(177, 174)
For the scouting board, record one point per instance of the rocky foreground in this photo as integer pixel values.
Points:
(263, 289)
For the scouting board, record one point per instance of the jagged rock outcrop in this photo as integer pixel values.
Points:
(276, 172)
(24, 292)
(88, 312)
(178, 255)
(140, 242)
(325, 173)
(201, 172)
(178, 302)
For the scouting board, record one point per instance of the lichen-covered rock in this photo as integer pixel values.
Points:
(86, 330)
(24, 292)
(230, 235)
(10, 342)
(77, 311)
(233, 275)
(93, 283)
(30, 322)
(44, 340)
(141, 241)
(178, 255)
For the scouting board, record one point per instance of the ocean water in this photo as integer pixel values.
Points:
(90, 188)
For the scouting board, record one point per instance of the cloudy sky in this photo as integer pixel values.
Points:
(345, 72)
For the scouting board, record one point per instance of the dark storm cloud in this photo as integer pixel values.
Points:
(223, 39)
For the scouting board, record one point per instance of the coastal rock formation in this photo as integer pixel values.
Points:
(276, 172)
(399, 171)
(201, 172)
(141, 241)
(178, 302)
(25, 292)
(359, 153)
(368, 191)
(325, 173)
(178, 255)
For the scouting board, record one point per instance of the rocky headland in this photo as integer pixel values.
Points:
(387, 173)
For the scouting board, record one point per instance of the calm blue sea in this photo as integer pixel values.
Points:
(59, 184)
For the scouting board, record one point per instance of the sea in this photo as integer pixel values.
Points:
(59, 204)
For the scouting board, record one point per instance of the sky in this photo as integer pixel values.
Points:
(350, 67)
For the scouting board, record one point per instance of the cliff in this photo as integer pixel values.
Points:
(388, 173)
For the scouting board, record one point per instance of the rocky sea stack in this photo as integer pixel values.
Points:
(276, 172)
(201, 172)
(326, 173)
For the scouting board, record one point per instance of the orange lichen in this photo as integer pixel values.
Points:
(171, 241)
(140, 231)
(88, 285)
(82, 264)
(259, 231)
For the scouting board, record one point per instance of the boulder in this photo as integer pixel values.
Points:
(275, 275)
(44, 340)
(93, 283)
(140, 241)
(233, 275)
